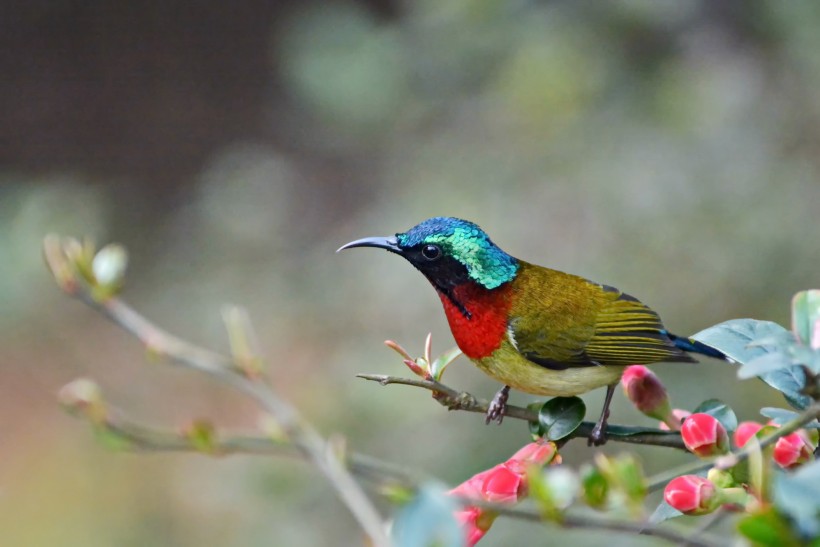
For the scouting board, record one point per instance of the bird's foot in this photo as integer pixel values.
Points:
(495, 412)
(598, 436)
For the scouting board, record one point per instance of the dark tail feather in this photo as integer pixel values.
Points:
(693, 346)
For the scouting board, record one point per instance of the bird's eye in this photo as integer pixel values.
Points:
(431, 252)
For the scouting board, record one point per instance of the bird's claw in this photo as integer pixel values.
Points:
(497, 407)
(598, 435)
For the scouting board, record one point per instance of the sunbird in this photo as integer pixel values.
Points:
(532, 328)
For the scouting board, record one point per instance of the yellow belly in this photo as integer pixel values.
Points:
(508, 367)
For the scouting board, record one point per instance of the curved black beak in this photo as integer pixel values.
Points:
(386, 243)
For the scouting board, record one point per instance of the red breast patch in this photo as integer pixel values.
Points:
(482, 333)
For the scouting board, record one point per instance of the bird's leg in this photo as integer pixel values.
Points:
(598, 435)
(495, 412)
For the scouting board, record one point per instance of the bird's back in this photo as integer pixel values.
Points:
(560, 320)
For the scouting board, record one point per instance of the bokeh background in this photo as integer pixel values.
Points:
(669, 148)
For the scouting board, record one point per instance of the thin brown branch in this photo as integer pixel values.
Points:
(141, 438)
(569, 520)
(462, 400)
(223, 369)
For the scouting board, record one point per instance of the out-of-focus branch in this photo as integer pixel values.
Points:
(75, 269)
(462, 400)
(137, 437)
(589, 522)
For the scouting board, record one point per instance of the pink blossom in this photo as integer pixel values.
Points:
(504, 483)
(704, 435)
(646, 392)
(692, 495)
(792, 451)
(745, 431)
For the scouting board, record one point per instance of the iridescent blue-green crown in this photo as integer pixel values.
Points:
(467, 243)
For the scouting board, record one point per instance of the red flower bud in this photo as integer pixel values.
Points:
(745, 431)
(504, 483)
(475, 522)
(704, 436)
(532, 454)
(646, 392)
(792, 450)
(692, 495)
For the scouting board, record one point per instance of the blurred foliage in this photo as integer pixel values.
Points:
(668, 148)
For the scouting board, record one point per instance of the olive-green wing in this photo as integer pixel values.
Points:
(593, 325)
(553, 317)
(629, 332)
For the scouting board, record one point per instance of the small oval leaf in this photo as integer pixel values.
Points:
(560, 416)
(720, 411)
(663, 512)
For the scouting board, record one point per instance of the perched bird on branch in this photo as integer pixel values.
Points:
(532, 328)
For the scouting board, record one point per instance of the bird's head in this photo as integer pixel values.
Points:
(449, 252)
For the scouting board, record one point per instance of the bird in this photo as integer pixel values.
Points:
(533, 328)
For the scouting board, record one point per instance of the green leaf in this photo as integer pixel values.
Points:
(736, 338)
(594, 487)
(790, 382)
(720, 411)
(560, 416)
(438, 366)
(428, 520)
(804, 355)
(768, 529)
(112, 439)
(805, 311)
(202, 436)
(780, 416)
(798, 495)
(553, 490)
(663, 512)
(763, 365)
(740, 340)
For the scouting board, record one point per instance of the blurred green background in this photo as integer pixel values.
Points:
(669, 148)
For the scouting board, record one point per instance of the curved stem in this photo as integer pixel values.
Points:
(223, 368)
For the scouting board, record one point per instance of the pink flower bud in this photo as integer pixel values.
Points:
(504, 483)
(475, 522)
(745, 431)
(704, 436)
(646, 392)
(678, 415)
(692, 495)
(539, 453)
(792, 451)
(417, 369)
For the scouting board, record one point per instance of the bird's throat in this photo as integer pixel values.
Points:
(477, 317)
